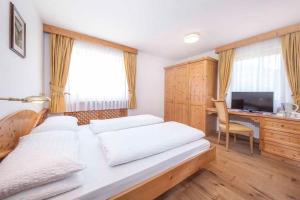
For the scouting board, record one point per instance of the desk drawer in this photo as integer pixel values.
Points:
(281, 125)
(284, 138)
(281, 150)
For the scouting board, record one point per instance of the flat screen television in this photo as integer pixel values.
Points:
(252, 101)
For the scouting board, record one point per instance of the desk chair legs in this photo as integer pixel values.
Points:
(234, 138)
(251, 144)
(234, 135)
(219, 136)
(227, 141)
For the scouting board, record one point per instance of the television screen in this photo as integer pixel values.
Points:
(252, 101)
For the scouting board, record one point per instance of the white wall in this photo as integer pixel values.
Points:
(20, 77)
(150, 84)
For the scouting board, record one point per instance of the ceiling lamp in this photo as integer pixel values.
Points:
(191, 38)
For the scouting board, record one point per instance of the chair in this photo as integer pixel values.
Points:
(225, 126)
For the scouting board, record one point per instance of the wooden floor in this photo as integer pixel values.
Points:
(237, 175)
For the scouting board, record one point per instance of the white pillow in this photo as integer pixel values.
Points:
(57, 142)
(49, 190)
(105, 125)
(58, 123)
(39, 159)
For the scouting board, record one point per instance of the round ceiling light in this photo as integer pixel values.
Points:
(191, 38)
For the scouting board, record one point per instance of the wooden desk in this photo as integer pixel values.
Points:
(279, 136)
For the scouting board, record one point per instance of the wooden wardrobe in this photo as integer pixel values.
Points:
(189, 88)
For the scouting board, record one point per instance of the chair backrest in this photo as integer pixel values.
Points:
(222, 111)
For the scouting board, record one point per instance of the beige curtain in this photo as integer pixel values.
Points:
(130, 67)
(291, 54)
(225, 69)
(61, 49)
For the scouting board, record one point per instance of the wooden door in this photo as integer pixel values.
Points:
(169, 94)
(169, 111)
(197, 83)
(181, 95)
(197, 117)
(181, 113)
(181, 92)
(169, 85)
(197, 95)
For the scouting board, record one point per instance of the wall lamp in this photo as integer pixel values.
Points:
(30, 99)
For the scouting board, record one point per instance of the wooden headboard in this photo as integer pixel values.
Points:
(16, 125)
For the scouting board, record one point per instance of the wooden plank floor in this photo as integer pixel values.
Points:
(237, 175)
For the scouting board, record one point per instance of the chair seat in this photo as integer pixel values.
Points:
(237, 128)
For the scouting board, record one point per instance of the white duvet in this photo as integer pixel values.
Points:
(136, 143)
(99, 126)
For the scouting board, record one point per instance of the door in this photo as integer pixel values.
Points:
(169, 85)
(169, 111)
(181, 85)
(181, 113)
(181, 94)
(197, 95)
(197, 117)
(169, 94)
(197, 83)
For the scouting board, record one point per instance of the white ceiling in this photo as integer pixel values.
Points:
(158, 26)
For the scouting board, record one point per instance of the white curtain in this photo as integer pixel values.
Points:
(259, 68)
(97, 78)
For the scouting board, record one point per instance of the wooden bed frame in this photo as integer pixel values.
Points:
(21, 123)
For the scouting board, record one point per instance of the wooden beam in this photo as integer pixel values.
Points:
(79, 36)
(261, 37)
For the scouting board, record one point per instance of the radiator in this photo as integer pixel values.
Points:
(84, 117)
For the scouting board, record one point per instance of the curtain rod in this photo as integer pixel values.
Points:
(79, 36)
(260, 37)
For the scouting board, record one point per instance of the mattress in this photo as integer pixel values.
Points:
(100, 181)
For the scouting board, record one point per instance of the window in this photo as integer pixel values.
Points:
(259, 67)
(97, 78)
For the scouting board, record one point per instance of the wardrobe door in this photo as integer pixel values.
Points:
(181, 113)
(197, 94)
(169, 112)
(169, 94)
(197, 117)
(197, 83)
(169, 84)
(181, 94)
(181, 85)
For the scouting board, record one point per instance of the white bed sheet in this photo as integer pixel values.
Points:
(100, 181)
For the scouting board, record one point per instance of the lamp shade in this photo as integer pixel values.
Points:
(36, 99)
(30, 99)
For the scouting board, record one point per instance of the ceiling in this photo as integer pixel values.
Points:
(158, 26)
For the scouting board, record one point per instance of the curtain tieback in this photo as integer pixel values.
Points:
(296, 97)
(57, 90)
(130, 92)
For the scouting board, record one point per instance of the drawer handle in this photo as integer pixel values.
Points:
(282, 125)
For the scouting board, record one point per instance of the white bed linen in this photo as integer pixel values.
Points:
(127, 145)
(100, 181)
(49, 190)
(39, 159)
(100, 126)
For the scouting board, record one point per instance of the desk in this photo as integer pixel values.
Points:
(279, 136)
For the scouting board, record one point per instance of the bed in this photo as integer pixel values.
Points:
(146, 178)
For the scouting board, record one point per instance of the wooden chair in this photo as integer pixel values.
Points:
(225, 126)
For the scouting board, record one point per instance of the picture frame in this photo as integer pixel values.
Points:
(17, 32)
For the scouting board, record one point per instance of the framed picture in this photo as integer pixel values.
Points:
(17, 32)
